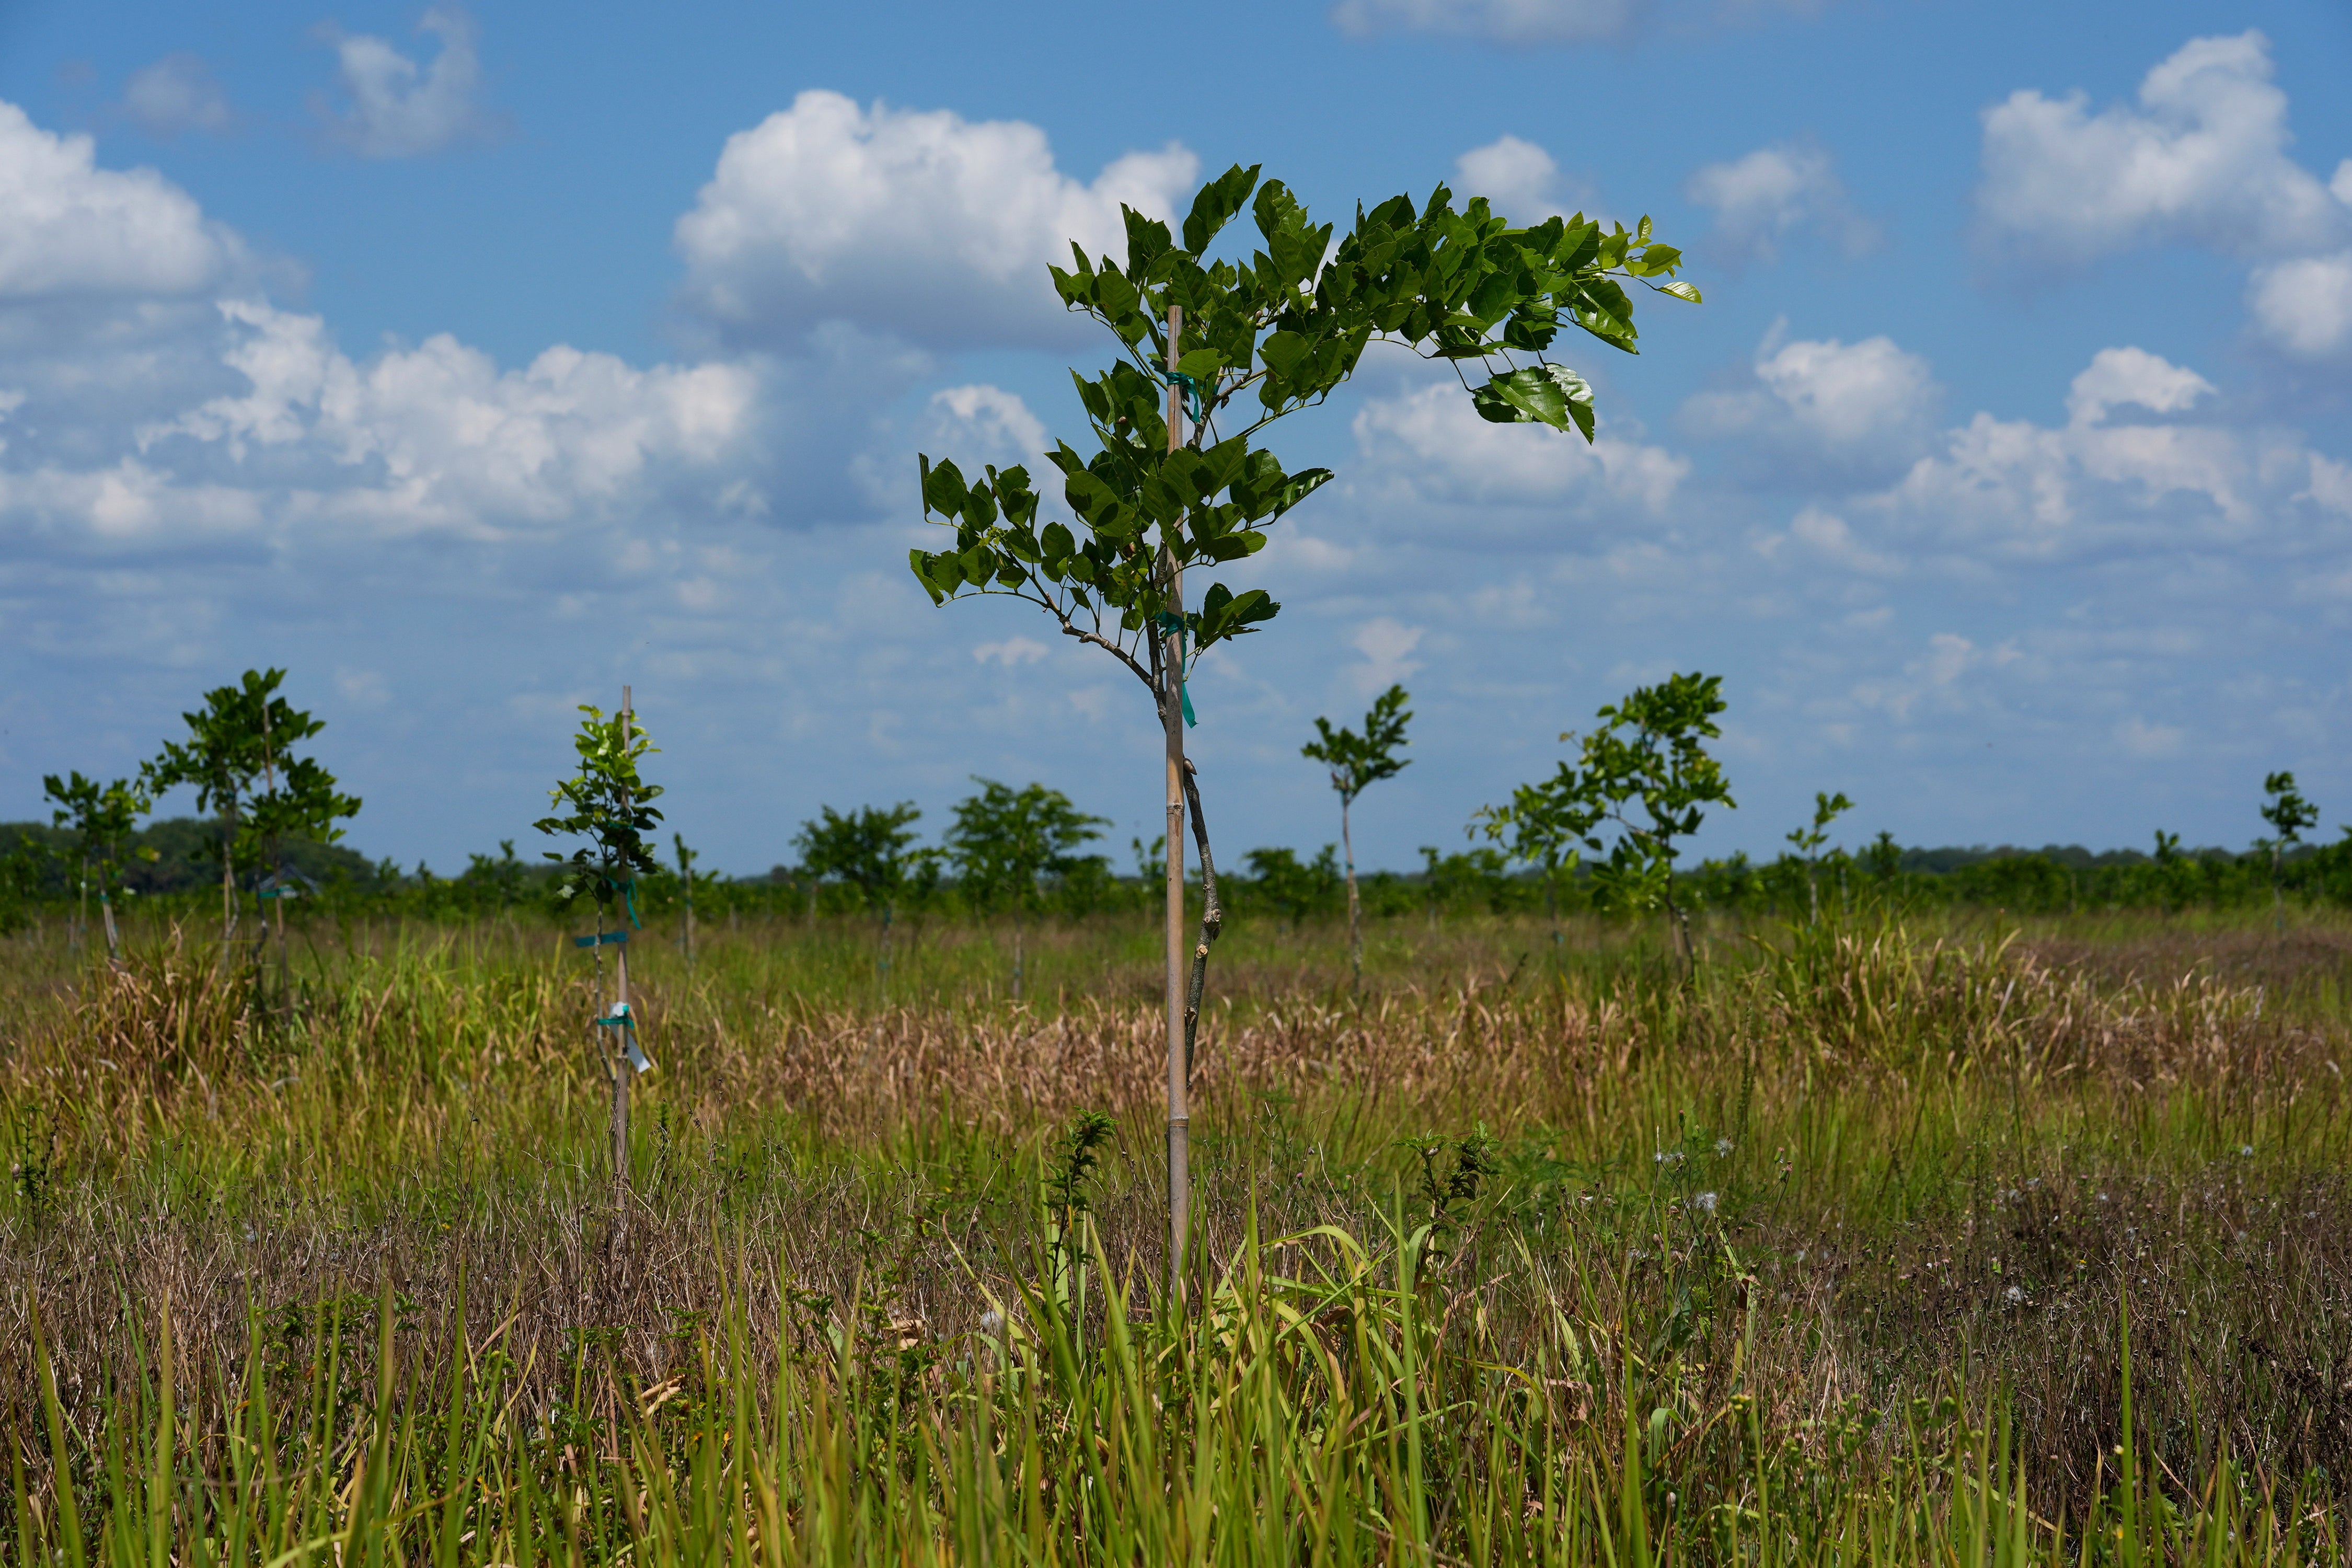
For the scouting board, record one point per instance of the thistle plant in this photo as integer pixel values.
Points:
(1211, 350)
(1357, 762)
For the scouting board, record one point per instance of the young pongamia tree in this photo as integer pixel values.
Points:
(872, 850)
(2288, 814)
(1544, 826)
(1357, 762)
(1005, 840)
(1176, 482)
(242, 738)
(1646, 773)
(1827, 808)
(609, 805)
(101, 818)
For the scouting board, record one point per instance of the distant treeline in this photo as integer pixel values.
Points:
(38, 872)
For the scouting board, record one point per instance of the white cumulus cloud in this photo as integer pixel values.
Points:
(1387, 646)
(2304, 305)
(2202, 159)
(70, 228)
(1431, 443)
(438, 437)
(919, 222)
(1817, 401)
(1767, 197)
(394, 107)
(2138, 464)
(1520, 180)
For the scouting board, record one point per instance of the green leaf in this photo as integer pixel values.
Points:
(1284, 352)
(1538, 394)
(1214, 207)
(944, 489)
(1681, 290)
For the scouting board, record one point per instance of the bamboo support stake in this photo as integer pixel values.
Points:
(621, 1065)
(1172, 708)
(277, 859)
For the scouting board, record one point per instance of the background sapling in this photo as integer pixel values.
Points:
(872, 850)
(2288, 814)
(1003, 840)
(1357, 762)
(1827, 808)
(101, 818)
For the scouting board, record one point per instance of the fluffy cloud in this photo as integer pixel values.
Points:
(439, 437)
(176, 93)
(919, 222)
(2202, 160)
(395, 108)
(1520, 180)
(1767, 197)
(163, 401)
(69, 228)
(1387, 646)
(1816, 404)
(2132, 469)
(1501, 21)
(2304, 305)
(1429, 443)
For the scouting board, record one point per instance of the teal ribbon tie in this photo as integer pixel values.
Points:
(1195, 396)
(600, 939)
(1172, 623)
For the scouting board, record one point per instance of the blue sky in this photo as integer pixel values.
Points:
(468, 362)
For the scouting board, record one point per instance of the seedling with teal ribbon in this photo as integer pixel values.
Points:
(609, 805)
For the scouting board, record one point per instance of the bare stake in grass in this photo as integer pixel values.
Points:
(1174, 486)
(610, 806)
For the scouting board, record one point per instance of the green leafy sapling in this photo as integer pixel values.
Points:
(872, 850)
(102, 819)
(1827, 809)
(1544, 826)
(608, 804)
(1357, 762)
(239, 756)
(1647, 771)
(1005, 840)
(2288, 813)
(1180, 484)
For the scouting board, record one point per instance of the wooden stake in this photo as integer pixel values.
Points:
(1171, 706)
(620, 1067)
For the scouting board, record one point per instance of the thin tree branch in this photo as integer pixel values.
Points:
(1213, 915)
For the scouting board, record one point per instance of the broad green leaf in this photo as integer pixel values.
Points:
(1681, 290)
(1215, 205)
(1538, 393)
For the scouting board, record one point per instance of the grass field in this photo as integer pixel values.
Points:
(1877, 1241)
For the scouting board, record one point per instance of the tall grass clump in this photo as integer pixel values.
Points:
(1879, 1239)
